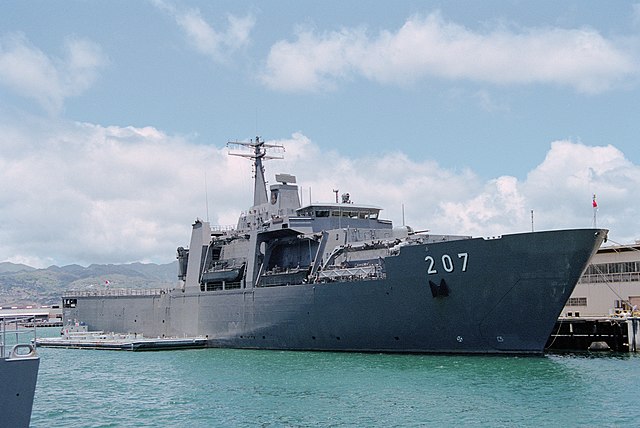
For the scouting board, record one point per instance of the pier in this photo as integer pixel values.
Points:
(595, 334)
(30, 317)
(120, 342)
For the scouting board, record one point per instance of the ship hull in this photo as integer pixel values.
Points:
(478, 295)
(18, 378)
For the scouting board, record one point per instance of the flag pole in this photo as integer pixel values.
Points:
(595, 211)
(532, 220)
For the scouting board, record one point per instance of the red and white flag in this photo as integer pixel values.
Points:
(595, 204)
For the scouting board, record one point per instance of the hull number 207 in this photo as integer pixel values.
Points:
(447, 263)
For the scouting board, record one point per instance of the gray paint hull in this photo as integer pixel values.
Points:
(504, 296)
(17, 387)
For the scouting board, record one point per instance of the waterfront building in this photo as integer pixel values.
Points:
(610, 285)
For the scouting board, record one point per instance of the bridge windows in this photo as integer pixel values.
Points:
(612, 272)
(69, 303)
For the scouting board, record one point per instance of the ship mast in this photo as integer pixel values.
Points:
(258, 154)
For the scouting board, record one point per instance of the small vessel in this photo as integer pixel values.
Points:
(19, 363)
(335, 276)
(77, 336)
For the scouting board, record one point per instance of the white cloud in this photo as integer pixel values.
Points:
(429, 46)
(207, 40)
(489, 103)
(500, 206)
(29, 72)
(85, 193)
(571, 173)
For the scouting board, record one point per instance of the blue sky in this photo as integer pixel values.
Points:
(471, 114)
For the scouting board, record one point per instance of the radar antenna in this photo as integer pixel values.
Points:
(257, 152)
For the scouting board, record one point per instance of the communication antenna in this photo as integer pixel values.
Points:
(403, 215)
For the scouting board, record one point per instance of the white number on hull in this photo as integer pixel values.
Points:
(447, 263)
(430, 270)
(464, 257)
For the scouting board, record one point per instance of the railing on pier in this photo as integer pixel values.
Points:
(592, 278)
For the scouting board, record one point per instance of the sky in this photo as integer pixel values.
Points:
(114, 117)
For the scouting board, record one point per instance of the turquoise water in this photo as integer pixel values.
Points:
(219, 387)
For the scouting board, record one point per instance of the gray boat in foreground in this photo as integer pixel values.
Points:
(19, 365)
(337, 277)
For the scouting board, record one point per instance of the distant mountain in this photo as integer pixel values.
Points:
(13, 267)
(24, 285)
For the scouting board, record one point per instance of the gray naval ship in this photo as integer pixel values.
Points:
(338, 277)
(19, 363)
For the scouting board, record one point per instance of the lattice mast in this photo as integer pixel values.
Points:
(258, 152)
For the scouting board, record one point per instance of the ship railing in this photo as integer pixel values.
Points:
(11, 331)
(116, 292)
(222, 227)
(357, 273)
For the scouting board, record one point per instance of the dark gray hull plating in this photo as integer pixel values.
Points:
(17, 387)
(464, 296)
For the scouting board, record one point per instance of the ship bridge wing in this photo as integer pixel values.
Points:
(277, 234)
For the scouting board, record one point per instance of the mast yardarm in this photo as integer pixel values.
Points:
(258, 154)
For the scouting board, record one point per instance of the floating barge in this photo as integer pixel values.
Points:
(117, 342)
(618, 334)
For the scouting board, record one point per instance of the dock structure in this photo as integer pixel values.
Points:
(113, 342)
(31, 324)
(29, 316)
(610, 286)
(595, 334)
(602, 311)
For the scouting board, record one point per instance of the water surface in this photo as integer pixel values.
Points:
(221, 387)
